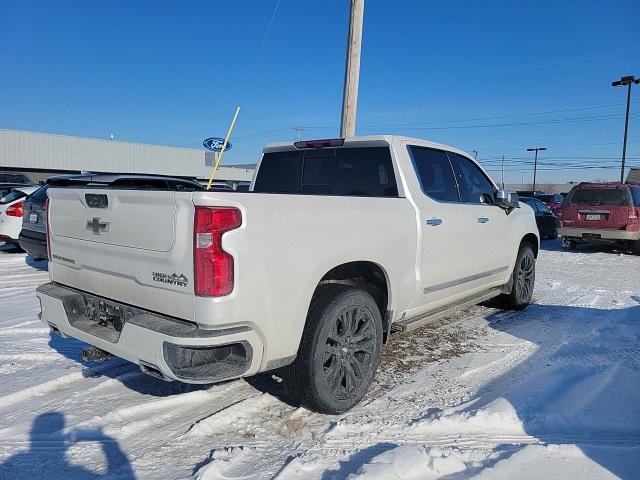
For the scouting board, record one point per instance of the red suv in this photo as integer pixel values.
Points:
(601, 212)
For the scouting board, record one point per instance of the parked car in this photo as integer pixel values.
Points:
(11, 211)
(33, 237)
(339, 242)
(601, 212)
(546, 220)
(552, 200)
(15, 177)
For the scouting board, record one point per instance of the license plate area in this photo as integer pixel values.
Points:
(593, 216)
(33, 218)
(107, 313)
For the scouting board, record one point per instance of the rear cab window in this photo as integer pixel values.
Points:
(358, 172)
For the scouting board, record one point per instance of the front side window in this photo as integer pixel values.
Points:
(474, 186)
(434, 173)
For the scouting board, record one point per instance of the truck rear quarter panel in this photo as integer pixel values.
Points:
(287, 243)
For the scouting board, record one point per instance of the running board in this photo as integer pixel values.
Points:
(408, 324)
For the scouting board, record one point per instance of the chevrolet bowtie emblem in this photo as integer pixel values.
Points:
(96, 226)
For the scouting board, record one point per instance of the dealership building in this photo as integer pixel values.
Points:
(41, 155)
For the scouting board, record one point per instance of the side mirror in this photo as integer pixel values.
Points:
(507, 199)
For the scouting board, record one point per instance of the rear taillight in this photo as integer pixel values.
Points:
(15, 210)
(46, 223)
(212, 265)
(633, 224)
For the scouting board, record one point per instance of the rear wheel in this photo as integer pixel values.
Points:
(569, 244)
(339, 352)
(522, 279)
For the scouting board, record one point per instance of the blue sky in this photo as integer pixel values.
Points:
(491, 76)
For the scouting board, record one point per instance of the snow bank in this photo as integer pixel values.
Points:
(411, 462)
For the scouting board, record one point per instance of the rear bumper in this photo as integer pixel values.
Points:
(34, 243)
(162, 346)
(592, 234)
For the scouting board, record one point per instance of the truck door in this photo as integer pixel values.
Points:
(489, 223)
(447, 243)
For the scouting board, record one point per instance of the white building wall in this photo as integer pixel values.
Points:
(43, 151)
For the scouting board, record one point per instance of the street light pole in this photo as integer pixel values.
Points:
(535, 164)
(352, 70)
(625, 81)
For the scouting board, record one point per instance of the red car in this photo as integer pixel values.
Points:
(601, 212)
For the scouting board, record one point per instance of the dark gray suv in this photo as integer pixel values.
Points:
(33, 236)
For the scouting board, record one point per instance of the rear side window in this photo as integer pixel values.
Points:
(12, 197)
(475, 187)
(434, 173)
(14, 178)
(600, 196)
(635, 193)
(40, 195)
(364, 172)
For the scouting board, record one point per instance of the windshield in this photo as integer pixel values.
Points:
(600, 196)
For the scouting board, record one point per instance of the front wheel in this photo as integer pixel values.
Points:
(339, 351)
(522, 279)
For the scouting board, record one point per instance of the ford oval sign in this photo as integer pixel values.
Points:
(215, 144)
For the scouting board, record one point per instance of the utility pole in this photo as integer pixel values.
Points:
(298, 130)
(475, 153)
(625, 81)
(535, 164)
(352, 70)
(503, 172)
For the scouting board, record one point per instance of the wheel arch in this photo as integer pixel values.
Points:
(368, 276)
(532, 240)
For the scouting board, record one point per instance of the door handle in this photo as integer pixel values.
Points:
(433, 221)
(483, 220)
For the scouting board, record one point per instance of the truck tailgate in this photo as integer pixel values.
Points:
(124, 245)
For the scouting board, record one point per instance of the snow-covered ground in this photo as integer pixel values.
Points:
(550, 392)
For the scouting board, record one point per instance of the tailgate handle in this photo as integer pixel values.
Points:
(96, 200)
(433, 221)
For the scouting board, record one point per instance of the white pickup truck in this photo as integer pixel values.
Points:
(337, 243)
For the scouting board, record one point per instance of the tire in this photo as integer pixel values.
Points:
(522, 280)
(569, 244)
(333, 369)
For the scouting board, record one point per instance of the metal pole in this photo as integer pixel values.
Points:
(503, 172)
(352, 70)
(535, 168)
(626, 128)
